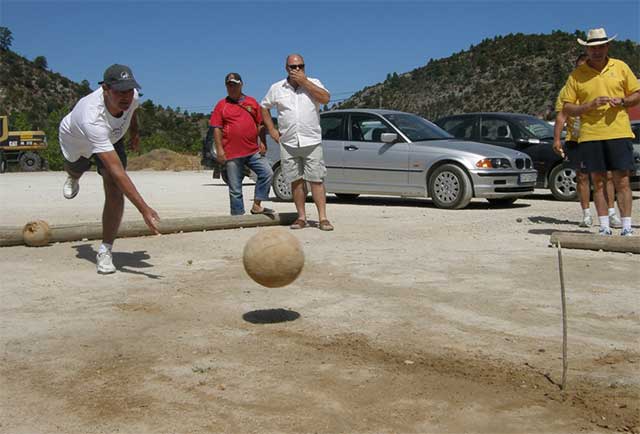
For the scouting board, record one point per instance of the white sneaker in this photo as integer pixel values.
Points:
(104, 263)
(586, 222)
(605, 231)
(615, 221)
(70, 188)
(626, 232)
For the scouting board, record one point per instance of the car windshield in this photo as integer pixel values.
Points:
(538, 128)
(417, 128)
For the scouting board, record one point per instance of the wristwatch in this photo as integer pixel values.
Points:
(622, 101)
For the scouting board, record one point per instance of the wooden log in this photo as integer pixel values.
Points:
(12, 235)
(613, 243)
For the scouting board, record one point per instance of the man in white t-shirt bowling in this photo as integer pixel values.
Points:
(96, 127)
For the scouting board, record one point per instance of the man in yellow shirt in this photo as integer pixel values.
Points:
(600, 91)
(571, 153)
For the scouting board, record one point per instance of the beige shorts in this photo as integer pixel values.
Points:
(303, 163)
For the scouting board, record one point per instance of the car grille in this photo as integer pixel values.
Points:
(523, 163)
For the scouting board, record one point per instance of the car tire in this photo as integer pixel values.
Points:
(450, 187)
(30, 162)
(563, 183)
(346, 196)
(502, 201)
(282, 188)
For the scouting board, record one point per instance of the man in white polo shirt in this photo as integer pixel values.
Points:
(297, 100)
(96, 127)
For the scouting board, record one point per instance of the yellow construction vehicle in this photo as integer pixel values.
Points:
(21, 147)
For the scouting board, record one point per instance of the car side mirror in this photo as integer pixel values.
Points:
(388, 137)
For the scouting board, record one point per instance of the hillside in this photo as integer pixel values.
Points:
(36, 98)
(516, 72)
(513, 73)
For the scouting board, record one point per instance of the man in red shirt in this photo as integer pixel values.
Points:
(240, 140)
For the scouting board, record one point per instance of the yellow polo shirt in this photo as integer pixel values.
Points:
(572, 136)
(616, 80)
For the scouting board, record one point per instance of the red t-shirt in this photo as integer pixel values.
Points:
(239, 122)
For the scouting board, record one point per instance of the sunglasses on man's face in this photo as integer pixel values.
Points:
(300, 66)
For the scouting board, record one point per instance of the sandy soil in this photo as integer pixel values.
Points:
(406, 319)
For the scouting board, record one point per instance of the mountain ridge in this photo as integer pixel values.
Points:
(512, 73)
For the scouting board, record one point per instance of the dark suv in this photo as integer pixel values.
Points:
(523, 133)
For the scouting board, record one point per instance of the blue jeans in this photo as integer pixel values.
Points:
(235, 176)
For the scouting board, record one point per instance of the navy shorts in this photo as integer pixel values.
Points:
(572, 150)
(604, 155)
(83, 164)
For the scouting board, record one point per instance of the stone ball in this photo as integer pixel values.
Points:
(273, 257)
(36, 233)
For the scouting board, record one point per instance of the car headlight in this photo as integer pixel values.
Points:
(494, 163)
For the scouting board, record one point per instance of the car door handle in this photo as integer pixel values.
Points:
(350, 148)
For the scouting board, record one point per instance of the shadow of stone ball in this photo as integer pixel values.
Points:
(270, 316)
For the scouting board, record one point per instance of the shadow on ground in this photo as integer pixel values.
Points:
(404, 202)
(270, 316)
(121, 260)
(550, 231)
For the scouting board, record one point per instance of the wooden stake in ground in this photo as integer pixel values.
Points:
(565, 362)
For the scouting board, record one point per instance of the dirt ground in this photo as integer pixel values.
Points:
(406, 319)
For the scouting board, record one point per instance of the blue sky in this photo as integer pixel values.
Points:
(180, 50)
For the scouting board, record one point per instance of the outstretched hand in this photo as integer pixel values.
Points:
(152, 220)
(557, 148)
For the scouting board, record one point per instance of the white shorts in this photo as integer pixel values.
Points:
(303, 163)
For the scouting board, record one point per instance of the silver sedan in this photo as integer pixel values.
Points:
(385, 152)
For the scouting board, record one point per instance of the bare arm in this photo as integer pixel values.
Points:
(579, 109)
(628, 101)
(217, 137)
(262, 143)
(113, 165)
(317, 93)
(268, 123)
(134, 133)
(561, 118)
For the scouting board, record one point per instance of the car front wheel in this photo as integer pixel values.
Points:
(450, 187)
(563, 183)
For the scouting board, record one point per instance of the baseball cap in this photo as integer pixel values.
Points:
(233, 77)
(119, 77)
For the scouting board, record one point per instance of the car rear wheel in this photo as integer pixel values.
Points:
(450, 187)
(30, 162)
(347, 196)
(502, 201)
(563, 183)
